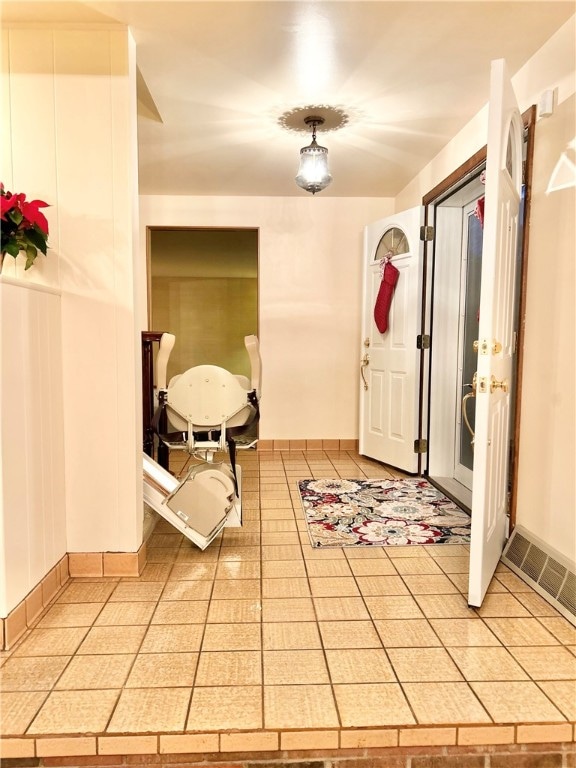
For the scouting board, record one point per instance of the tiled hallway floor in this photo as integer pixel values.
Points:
(262, 643)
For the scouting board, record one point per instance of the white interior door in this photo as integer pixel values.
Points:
(389, 393)
(496, 333)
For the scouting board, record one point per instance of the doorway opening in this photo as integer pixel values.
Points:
(203, 288)
(457, 266)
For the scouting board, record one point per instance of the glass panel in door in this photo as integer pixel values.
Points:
(468, 333)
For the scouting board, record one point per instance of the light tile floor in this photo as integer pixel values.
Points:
(261, 632)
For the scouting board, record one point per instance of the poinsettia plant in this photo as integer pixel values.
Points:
(23, 226)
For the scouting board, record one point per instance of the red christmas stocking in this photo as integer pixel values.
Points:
(384, 298)
(479, 211)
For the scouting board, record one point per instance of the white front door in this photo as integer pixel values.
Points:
(495, 333)
(389, 369)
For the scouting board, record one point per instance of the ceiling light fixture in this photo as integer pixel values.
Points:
(313, 174)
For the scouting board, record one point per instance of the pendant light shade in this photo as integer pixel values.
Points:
(313, 174)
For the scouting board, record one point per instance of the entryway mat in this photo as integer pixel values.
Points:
(399, 512)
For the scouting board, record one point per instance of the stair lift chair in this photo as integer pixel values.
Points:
(207, 407)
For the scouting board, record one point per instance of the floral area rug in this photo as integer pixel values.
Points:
(348, 513)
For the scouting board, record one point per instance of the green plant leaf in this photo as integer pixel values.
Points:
(11, 247)
(37, 238)
(31, 253)
(15, 215)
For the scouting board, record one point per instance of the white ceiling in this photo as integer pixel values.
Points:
(216, 77)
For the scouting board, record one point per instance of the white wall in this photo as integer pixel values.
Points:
(547, 454)
(32, 512)
(546, 486)
(69, 343)
(310, 291)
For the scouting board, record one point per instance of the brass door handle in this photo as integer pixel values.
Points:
(363, 364)
(465, 415)
(473, 385)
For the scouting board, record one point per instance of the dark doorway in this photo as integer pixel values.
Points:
(203, 288)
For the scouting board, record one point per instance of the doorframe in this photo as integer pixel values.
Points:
(193, 228)
(459, 175)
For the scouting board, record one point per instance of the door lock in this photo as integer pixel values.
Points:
(485, 347)
(494, 385)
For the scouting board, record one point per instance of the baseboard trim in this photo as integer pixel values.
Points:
(72, 565)
(26, 613)
(307, 445)
(107, 563)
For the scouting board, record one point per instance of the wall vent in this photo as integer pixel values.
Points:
(544, 569)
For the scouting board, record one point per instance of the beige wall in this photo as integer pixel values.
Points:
(310, 292)
(69, 346)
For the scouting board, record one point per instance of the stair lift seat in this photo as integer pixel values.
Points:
(198, 506)
(204, 399)
(208, 407)
(178, 399)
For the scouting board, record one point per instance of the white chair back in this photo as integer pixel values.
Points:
(206, 396)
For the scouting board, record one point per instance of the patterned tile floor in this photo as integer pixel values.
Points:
(263, 635)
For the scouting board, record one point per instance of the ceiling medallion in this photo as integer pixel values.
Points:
(333, 118)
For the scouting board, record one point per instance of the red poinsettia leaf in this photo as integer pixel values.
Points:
(34, 216)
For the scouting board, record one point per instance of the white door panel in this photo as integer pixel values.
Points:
(389, 392)
(495, 356)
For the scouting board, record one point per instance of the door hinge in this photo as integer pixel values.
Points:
(426, 233)
(423, 341)
(420, 446)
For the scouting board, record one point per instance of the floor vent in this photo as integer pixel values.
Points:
(544, 569)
